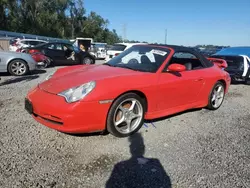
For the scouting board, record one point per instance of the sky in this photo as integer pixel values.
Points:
(188, 22)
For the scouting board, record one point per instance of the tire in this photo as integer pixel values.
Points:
(18, 67)
(216, 98)
(120, 110)
(247, 82)
(87, 61)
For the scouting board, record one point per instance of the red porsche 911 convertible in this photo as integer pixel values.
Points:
(143, 82)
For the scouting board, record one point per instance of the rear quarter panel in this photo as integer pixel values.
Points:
(212, 75)
(3, 62)
(6, 58)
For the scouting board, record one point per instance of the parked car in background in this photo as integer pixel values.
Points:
(98, 50)
(210, 51)
(117, 48)
(238, 60)
(62, 53)
(238, 66)
(143, 82)
(17, 64)
(17, 44)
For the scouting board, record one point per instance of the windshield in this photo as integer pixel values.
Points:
(99, 45)
(118, 47)
(141, 58)
(235, 51)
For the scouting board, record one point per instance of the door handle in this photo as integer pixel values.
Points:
(199, 79)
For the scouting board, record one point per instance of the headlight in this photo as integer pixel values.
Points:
(50, 75)
(77, 93)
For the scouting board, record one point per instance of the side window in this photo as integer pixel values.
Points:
(58, 47)
(25, 42)
(69, 47)
(33, 43)
(50, 46)
(187, 59)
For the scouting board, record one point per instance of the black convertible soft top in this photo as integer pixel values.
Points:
(177, 48)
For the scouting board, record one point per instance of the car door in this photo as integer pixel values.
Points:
(55, 52)
(183, 88)
(71, 54)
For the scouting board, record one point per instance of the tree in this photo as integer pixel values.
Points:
(57, 18)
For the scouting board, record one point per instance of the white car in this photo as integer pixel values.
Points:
(98, 50)
(23, 43)
(117, 48)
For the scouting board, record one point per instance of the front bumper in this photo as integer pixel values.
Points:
(53, 111)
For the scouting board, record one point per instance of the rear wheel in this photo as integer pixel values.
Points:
(87, 61)
(18, 67)
(216, 96)
(126, 115)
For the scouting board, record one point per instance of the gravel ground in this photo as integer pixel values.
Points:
(199, 148)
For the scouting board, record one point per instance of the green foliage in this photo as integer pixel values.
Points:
(55, 18)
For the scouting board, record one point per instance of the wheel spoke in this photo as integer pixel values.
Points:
(219, 89)
(120, 121)
(213, 98)
(133, 115)
(122, 109)
(128, 122)
(132, 105)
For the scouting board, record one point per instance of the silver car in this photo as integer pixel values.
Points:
(16, 63)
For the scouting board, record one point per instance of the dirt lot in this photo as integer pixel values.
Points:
(194, 149)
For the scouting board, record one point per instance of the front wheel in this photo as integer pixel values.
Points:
(87, 61)
(216, 96)
(126, 115)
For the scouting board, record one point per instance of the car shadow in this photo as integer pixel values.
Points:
(138, 171)
(173, 115)
(101, 133)
(19, 79)
(38, 71)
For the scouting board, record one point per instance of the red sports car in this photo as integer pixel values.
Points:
(143, 82)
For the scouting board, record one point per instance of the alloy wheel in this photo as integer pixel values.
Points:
(217, 96)
(18, 68)
(128, 115)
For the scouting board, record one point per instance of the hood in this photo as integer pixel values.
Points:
(69, 77)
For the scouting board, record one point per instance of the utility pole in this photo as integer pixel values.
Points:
(166, 34)
(124, 32)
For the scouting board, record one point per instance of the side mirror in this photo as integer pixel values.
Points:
(176, 67)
